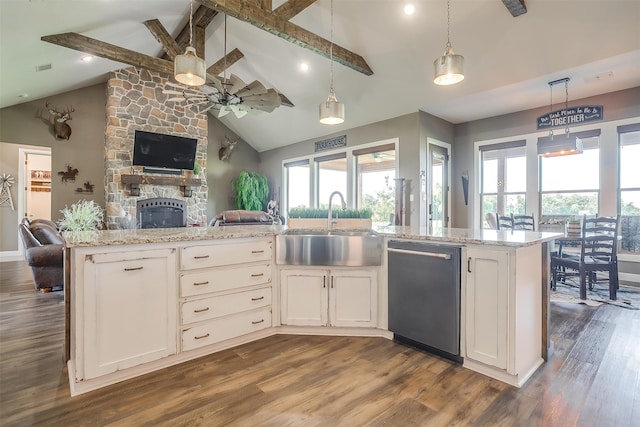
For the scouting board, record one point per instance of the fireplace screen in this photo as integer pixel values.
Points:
(161, 213)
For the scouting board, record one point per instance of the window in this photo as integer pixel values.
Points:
(297, 179)
(503, 179)
(332, 176)
(569, 185)
(629, 188)
(375, 185)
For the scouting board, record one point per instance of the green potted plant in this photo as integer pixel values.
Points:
(252, 191)
(84, 215)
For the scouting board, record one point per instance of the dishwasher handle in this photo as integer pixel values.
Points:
(428, 254)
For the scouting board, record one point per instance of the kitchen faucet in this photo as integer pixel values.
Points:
(344, 206)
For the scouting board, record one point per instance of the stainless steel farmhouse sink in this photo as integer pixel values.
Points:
(329, 247)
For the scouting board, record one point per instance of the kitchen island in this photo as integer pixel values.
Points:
(142, 300)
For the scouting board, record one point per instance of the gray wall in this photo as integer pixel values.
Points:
(220, 173)
(21, 124)
(617, 105)
(411, 131)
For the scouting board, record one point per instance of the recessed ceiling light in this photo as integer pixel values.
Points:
(304, 66)
(87, 58)
(409, 9)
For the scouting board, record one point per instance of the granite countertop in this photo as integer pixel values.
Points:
(185, 234)
(470, 236)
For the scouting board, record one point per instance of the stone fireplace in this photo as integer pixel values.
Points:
(135, 102)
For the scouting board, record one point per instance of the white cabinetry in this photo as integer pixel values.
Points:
(503, 306)
(129, 310)
(225, 290)
(319, 297)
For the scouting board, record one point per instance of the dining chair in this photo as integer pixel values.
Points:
(524, 222)
(598, 253)
(504, 222)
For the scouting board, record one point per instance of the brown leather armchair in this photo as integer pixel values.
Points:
(44, 252)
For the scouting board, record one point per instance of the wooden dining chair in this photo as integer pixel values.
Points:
(598, 252)
(504, 222)
(524, 222)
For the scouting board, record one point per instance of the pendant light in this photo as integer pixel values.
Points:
(448, 68)
(567, 144)
(188, 69)
(331, 111)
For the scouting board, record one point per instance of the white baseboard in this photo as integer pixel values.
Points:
(11, 256)
(629, 277)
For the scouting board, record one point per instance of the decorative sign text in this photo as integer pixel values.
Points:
(328, 144)
(571, 116)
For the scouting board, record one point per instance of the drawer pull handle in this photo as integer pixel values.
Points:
(257, 252)
(200, 310)
(201, 257)
(257, 299)
(257, 322)
(257, 275)
(202, 336)
(133, 268)
(200, 283)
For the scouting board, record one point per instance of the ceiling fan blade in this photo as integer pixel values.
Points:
(177, 99)
(238, 111)
(236, 84)
(212, 105)
(252, 88)
(270, 96)
(223, 111)
(214, 82)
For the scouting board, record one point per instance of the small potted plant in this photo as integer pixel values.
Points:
(84, 215)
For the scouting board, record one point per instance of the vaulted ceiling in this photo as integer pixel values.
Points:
(508, 60)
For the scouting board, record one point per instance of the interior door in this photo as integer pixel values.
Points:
(438, 176)
(37, 185)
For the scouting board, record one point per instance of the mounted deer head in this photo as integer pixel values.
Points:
(60, 127)
(227, 147)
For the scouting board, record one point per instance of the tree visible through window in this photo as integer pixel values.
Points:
(630, 189)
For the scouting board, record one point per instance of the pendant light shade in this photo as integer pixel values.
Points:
(332, 110)
(448, 69)
(188, 69)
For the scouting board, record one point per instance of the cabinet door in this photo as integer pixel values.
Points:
(130, 304)
(353, 298)
(486, 306)
(304, 297)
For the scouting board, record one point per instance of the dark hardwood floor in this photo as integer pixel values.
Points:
(591, 379)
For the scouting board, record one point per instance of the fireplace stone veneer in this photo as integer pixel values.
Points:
(135, 102)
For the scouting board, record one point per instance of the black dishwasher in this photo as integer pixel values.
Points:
(424, 296)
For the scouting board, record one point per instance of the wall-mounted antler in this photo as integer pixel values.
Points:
(61, 128)
(227, 147)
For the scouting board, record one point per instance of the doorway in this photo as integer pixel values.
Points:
(438, 187)
(35, 177)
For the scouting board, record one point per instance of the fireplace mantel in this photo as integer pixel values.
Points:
(134, 181)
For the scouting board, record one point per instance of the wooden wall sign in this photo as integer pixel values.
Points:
(570, 116)
(328, 144)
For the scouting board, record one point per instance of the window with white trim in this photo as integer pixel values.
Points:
(629, 187)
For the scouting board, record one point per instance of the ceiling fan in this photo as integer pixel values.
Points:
(224, 97)
(227, 95)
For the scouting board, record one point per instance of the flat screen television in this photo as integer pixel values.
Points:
(155, 150)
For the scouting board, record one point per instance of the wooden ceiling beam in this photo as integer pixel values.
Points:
(202, 17)
(291, 8)
(252, 12)
(516, 7)
(232, 57)
(164, 38)
(108, 51)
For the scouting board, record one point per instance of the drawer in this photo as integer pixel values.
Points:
(223, 253)
(222, 279)
(225, 328)
(224, 305)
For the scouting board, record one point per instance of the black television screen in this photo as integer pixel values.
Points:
(164, 151)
